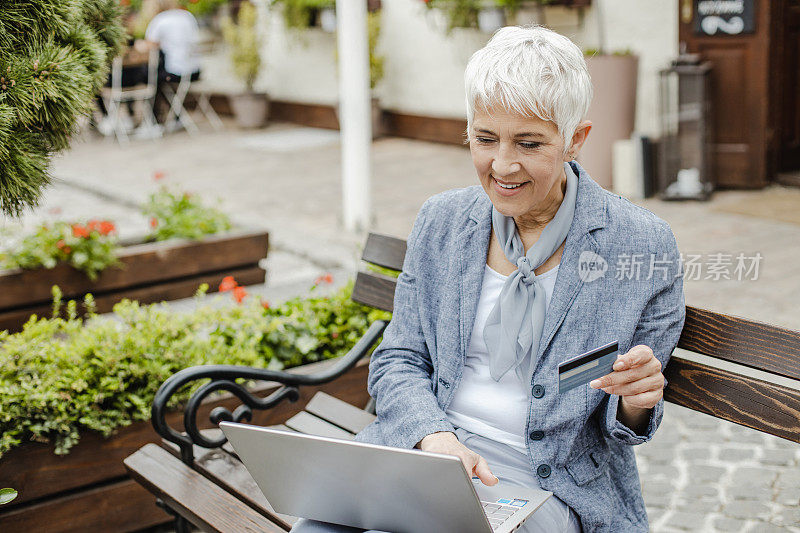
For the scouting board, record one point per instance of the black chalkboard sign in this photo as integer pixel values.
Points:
(724, 17)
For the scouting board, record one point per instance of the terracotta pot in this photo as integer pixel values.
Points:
(250, 109)
(612, 112)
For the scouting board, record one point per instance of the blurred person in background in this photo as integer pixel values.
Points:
(176, 32)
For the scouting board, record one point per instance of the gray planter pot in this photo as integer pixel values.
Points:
(250, 109)
(491, 19)
(327, 19)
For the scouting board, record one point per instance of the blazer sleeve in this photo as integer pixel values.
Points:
(400, 371)
(659, 327)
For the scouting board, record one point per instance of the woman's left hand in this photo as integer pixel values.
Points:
(636, 379)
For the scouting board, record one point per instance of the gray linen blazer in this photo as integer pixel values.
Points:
(585, 456)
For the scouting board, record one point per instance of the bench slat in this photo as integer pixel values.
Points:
(374, 290)
(739, 340)
(338, 412)
(203, 503)
(310, 424)
(751, 402)
(384, 250)
(225, 469)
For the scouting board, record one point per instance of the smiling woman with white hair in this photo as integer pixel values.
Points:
(505, 280)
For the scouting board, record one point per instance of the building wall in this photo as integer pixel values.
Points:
(424, 66)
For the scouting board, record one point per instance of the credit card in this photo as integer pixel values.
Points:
(586, 367)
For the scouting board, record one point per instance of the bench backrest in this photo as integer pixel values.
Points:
(709, 388)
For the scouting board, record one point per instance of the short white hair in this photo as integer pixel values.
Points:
(532, 71)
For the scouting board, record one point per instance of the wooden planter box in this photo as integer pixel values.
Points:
(150, 272)
(89, 489)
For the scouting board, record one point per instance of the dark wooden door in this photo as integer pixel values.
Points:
(742, 132)
(787, 86)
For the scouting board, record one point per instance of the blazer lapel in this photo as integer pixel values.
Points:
(590, 214)
(473, 245)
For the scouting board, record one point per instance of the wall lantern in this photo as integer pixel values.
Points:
(684, 155)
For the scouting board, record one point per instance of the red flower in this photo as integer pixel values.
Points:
(265, 304)
(61, 245)
(153, 222)
(327, 278)
(106, 227)
(79, 231)
(335, 334)
(239, 294)
(228, 284)
(158, 175)
(93, 225)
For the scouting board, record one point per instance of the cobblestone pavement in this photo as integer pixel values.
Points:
(698, 474)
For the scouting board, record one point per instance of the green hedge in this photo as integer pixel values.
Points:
(62, 376)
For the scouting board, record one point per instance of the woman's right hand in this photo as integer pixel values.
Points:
(447, 443)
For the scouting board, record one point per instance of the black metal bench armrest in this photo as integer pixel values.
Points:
(223, 378)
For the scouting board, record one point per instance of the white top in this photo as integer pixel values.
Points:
(177, 34)
(497, 410)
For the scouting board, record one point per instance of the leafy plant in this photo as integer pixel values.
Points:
(459, 13)
(62, 376)
(201, 8)
(89, 247)
(245, 42)
(182, 215)
(464, 13)
(376, 61)
(298, 14)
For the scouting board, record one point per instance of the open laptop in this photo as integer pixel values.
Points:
(376, 487)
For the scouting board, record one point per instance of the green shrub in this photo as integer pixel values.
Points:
(62, 376)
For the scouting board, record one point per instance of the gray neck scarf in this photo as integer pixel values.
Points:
(515, 324)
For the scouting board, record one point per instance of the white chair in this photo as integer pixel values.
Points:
(117, 95)
(177, 113)
(202, 95)
(199, 89)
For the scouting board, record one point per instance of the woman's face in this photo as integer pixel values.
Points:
(519, 160)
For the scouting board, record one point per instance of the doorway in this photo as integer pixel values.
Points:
(754, 48)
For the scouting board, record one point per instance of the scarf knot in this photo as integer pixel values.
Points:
(527, 275)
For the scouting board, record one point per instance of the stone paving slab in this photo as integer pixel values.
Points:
(698, 473)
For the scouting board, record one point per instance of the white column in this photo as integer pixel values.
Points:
(354, 112)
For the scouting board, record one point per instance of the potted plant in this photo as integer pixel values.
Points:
(300, 14)
(189, 243)
(250, 108)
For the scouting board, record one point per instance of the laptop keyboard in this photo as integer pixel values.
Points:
(497, 513)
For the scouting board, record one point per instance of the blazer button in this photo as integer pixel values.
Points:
(537, 391)
(543, 470)
(537, 435)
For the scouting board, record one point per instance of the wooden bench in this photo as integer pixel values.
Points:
(198, 477)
